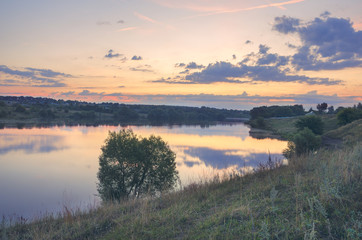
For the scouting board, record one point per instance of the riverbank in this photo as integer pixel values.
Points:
(26, 112)
(284, 128)
(315, 196)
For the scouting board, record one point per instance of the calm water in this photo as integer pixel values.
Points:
(43, 170)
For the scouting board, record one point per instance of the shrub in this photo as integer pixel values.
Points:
(348, 115)
(303, 142)
(312, 122)
(259, 122)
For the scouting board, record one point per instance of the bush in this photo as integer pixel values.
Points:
(312, 122)
(303, 142)
(132, 166)
(348, 115)
(259, 122)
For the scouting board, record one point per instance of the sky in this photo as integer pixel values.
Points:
(234, 54)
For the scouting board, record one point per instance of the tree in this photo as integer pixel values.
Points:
(322, 107)
(348, 115)
(312, 122)
(20, 109)
(330, 110)
(126, 114)
(359, 106)
(132, 166)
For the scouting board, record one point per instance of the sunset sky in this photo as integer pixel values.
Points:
(233, 54)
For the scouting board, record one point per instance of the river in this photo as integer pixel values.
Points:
(43, 170)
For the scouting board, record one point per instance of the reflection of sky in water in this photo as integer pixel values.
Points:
(31, 144)
(221, 159)
(44, 169)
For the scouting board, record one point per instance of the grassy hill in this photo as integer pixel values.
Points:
(317, 196)
(286, 126)
(349, 133)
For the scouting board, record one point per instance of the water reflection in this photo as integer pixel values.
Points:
(31, 144)
(39, 165)
(222, 159)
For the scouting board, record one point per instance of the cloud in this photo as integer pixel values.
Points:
(67, 94)
(89, 93)
(286, 24)
(185, 72)
(143, 17)
(180, 65)
(267, 70)
(136, 58)
(328, 43)
(217, 7)
(171, 81)
(140, 69)
(111, 54)
(326, 14)
(48, 73)
(34, 77)
(193, 65)
(244, 100)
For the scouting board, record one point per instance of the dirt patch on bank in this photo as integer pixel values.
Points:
(331, 142)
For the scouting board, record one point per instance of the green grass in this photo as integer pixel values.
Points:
(317, 196)
(285, 127)
(351, 132)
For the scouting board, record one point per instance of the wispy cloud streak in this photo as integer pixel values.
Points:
(225, 11)
(126, 29)
(210, 8)
(143, 17)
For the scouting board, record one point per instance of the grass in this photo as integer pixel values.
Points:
(349, 133)
(285, 127)
(317, 196)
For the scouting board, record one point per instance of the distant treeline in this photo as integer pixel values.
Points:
(71, 112)
(276, 111)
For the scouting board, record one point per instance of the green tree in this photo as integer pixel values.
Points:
(312, 122)
(348, 115)
(330, 110)
(322, 107)
(303, 142)
(131, 166)
(126, 114)
(259, 122)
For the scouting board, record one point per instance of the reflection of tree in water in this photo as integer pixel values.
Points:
(221, 159)
(132, 166)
